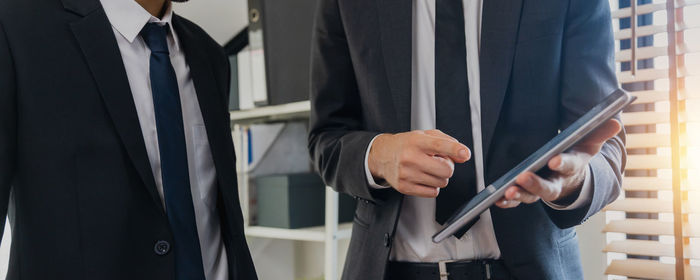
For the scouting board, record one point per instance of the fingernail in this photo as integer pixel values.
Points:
(516, 195)
(463, 153)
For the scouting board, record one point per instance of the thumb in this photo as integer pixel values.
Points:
(568, 163)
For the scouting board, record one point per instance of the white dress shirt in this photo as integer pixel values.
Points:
(128, 18)
(417, 224)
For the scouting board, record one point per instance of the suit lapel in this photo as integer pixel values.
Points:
(395, 20)
(96, 40)
(500, 23)
(499, 32)
(212, 104)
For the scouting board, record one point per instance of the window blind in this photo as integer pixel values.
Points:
(653, 230)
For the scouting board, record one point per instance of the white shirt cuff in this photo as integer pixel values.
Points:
(583, 197)
(370, 178)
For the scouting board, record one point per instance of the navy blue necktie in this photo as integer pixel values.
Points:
(452, 104)
(173, 155)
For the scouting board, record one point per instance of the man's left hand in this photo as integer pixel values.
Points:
(568, 172)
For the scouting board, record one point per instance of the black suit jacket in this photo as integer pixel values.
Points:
(543, 64)
(73, 166)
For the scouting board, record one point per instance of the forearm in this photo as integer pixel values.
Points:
(588, 76)
(605, 178)
(338, 157)
(337, 136)
(607, 169)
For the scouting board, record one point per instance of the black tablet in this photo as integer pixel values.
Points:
(608, 108)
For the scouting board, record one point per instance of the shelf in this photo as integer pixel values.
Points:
(314, 234)
(328, 234)
(282, 112)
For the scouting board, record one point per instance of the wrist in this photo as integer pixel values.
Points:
(572, 190)
(568, 198)
(374, 160)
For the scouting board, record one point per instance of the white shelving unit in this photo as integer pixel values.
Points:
(288, 111)
(331, 232)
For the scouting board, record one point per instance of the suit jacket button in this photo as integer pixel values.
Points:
(162, 247)
(387, 240)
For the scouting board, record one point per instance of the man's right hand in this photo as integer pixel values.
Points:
(417, 163)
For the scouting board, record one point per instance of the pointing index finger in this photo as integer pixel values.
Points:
(456, 151)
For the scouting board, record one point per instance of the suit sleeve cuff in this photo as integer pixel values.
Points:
(584, 196)
(368, 174)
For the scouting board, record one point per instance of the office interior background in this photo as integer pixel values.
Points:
(651, 232)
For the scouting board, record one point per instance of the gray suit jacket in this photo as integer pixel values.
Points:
(543, 64)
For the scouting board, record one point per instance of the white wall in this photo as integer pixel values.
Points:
(222, 19)
(591, 241)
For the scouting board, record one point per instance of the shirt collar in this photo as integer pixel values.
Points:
(129, 18)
